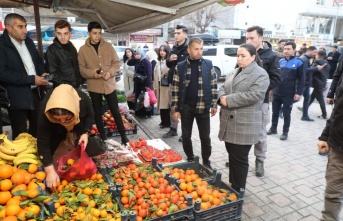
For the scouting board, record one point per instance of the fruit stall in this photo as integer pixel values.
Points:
(145, 180)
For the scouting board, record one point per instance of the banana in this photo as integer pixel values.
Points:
(25, 135)
(6, 157)
(3, 162)
(28, 150)
(10, 148)
(23, 141)
(27, 160)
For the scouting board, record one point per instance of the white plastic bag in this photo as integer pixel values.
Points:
(146, 100)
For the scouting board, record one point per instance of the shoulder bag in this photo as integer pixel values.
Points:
(164, 79)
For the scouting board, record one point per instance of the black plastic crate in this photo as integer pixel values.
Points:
(204, 173)
(115, 133)
(229, 211)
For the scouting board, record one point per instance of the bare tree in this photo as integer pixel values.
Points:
(202, 18)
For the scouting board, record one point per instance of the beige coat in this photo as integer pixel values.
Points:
(106, 59)
(128, 73)
(161, 70)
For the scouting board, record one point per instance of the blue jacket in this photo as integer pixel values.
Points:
(292, 77)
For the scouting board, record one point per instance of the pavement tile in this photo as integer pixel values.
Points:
(280, 199)
(309, 218)
(270, 214)
(305, 190)
(293, 216)
(252, 210)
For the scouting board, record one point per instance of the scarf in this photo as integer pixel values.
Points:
(64, 96)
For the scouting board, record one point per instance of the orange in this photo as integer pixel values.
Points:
(5, 185)
(12, 210)
(32, 168)
(200, 190)
(19, 187)
(125, 192)
(22, 216)
(190, 188)
(10, 218)
(4, 197)
(88, 191)
(70, 161)
(205, 197)
(96, 212)
(40, 175)
(32, 193)
(34, 209)
(232, 197)
(103, 213)
(6, 171)
(98, 176)
(203, 206)
(14, 200)
(124, 200)
(18, 178)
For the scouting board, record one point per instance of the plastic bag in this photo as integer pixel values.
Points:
(83, 168)
(146, 99)
(152, 96)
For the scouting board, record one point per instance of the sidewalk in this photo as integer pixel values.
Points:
(294, 182)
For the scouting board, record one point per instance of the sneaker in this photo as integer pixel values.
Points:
(325, 153)
(171, 133)
(190, 159)
(284, 136)
(306, 119)
(180, 138)
(300, 108)
(271, 131)
(259, 168)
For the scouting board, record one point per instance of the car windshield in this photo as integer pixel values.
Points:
(231, 52)
(209, 52)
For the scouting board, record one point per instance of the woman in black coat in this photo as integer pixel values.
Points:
(65, 113)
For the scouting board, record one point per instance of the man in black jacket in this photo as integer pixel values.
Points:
(330, 98)
(62, 57)
(21, 71)
(331, 140)
(178, 53)
(271, 65)
(333, 58)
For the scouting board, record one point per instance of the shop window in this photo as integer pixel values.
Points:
(320, 2)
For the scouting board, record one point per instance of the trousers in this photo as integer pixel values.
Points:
(287, 104)
(260, 148)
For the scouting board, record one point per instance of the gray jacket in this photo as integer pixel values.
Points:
(241, 121)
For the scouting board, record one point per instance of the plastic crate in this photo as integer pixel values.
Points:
(115, 133)
(229, 211)
(204, 173)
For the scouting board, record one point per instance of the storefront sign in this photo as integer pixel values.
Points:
(142, 38)
(280, 34)
(155, 31)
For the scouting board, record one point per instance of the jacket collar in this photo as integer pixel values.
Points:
(58, 43)
(244, 72)
(88, 41)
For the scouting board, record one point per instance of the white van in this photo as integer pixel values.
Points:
(223, 57)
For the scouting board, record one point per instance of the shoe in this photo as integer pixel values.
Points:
(284, 136)
(271, 131)
(190, 159)
(259, 168)
(325, 153)
(322, 117)
(180, 138)
(306, 119)
(171, 133)
(124, 140)
(300, 108)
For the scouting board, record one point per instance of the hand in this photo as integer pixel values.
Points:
(320, 67)
(223, 101)
(52, 177)
(329, 58)
(296, 97)
(40, 80)
(173, 57)
(176, 116)
(323, 146)
(330, 100)
(106, 75)
(84, 139)
(213, 111)
(44, 74)
(96, 75)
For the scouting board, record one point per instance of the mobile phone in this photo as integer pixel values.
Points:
(48, 77)
(99, 71)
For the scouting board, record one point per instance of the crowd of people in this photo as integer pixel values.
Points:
(185, 84)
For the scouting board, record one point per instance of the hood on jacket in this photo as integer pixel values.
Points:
(183, 45)
(266, 47)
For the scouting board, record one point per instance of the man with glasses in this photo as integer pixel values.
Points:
(62, 57)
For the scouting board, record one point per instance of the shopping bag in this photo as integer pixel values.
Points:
(146, 99)
(83, 167)
(152, 96)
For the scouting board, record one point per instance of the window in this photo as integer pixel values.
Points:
(320, 2)
(209, 52)
(231, 52)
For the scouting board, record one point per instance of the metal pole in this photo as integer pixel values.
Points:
(38, 28)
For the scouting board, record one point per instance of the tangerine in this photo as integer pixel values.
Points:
(18, 178)
(32, 168)
(6, 171)
(5, 185)
(32, 193)
(12, 210)
(88, 191)
(10, 218)
(5, 196)
(40, 175)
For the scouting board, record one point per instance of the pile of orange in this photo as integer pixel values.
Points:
(86, 200)
(192, 185)
(18, 186)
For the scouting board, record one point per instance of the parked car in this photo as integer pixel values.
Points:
(207, 38)
(223, 57)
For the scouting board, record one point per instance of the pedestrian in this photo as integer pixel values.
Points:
(289, 90)
(319, 82)
(62, 57)
(279, 49)
(333, 58)
(151, 55)
(21, 72)
(179, 52)
(298, 53)
(330, 98)
(161, 89)
(99, 64)
(66, 113)
(303, 48)
(331, 140)
(272, 67)
(241, 97)
(142, 67)
(128, 73)
(194, 96)
(308, 58)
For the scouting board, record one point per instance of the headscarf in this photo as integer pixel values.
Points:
(141, 52)
(64, 96)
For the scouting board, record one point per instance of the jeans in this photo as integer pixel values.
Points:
(112, 103)
(306, 95)
(203, 121)
(260, 148)
(239, 164)
(317, 93)
(287, 103)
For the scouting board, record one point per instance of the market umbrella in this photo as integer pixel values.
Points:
(48, 33)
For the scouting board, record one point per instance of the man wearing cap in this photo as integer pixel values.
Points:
(333, 58)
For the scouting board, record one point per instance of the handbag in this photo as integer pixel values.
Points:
(164, 81)
(95, 146)
(152, 96)
(139, 78)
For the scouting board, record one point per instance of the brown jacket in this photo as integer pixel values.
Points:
(106, 59)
